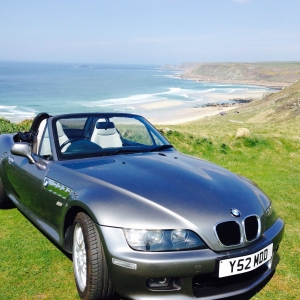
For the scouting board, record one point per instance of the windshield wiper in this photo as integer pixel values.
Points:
(136, 150)
(126, 151)
(161, 147)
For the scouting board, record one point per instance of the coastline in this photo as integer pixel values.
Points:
(187, 115)
(173, 112)
(261, 83)
(163, 97)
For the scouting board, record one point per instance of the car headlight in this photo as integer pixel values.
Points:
(163, 240)
(270, 216)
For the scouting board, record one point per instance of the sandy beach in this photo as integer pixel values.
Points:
(171, 112)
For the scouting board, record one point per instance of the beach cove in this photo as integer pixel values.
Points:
(177, 112)
(158, 94)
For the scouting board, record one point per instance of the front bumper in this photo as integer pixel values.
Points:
(192, 273)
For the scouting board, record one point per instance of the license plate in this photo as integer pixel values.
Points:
(247, 263)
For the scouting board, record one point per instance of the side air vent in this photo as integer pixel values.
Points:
(229, 233)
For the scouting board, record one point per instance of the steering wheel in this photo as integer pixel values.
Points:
(71, 141)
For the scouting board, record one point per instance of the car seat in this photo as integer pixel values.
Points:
(106, 135)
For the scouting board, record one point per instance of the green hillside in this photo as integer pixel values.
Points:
(283, 105)
(273, 74)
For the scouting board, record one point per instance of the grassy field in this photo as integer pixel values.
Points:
(31, 267)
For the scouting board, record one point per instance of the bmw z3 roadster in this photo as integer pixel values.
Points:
(140, 218)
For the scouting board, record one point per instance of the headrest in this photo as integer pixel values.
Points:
(60, 131)
(105, 125)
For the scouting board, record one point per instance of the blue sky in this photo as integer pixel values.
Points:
(149, 31)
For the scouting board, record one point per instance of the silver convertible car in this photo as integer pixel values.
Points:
(141, 219)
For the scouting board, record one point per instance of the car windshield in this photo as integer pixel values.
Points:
(105, 134)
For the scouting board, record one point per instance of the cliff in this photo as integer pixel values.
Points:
(270, 74)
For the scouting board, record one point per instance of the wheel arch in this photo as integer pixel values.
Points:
(68, 226)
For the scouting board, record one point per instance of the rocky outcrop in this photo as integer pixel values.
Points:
(242, 132)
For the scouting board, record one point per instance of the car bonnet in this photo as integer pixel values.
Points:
(167, 190)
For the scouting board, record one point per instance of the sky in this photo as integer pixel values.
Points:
(149, 31)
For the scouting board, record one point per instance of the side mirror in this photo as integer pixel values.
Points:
(23, 149)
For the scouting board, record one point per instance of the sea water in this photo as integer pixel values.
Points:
(27, 88)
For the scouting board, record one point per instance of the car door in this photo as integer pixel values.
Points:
(54, 191)
(27, 179)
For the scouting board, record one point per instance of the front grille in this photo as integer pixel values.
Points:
(229, 233)
(251, 228)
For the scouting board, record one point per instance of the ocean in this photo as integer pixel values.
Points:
(27, 88)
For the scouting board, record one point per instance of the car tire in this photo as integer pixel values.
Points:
(89, 263)
(5, 202)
